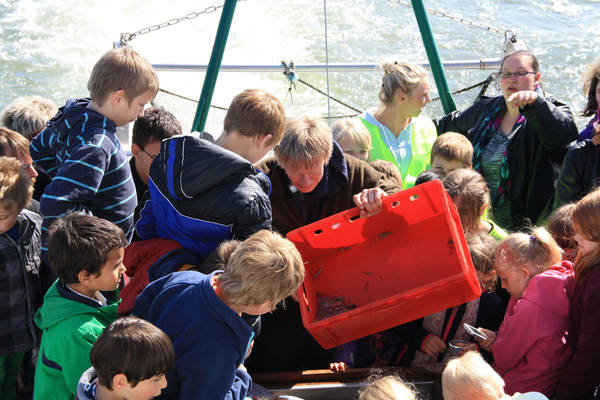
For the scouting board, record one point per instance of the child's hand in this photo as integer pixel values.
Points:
(433, 345)
(487, 343)
(369, 201)
(338, 366)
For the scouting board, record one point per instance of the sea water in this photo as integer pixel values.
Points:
(48, 48)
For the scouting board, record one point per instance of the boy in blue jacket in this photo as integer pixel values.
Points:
(80, 150)
(202, 313)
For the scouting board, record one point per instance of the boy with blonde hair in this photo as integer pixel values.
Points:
(80, 150)
(87, 254)
(451, 151)
(202, 313)
(353, 137)
(20, 243)
(28, 115)
(138, 373)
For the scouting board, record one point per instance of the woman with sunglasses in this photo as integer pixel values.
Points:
(519, 141)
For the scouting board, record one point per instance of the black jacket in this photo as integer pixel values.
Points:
(579, 174)
(202, 194)
(535, 153)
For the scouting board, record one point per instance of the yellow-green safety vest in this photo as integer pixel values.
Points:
(423, 135)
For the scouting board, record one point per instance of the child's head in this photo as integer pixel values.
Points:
(16, 189)
(353, 137)
(87, 248)
(28, 115)
(305, 148)
(389, 170)
(520, 256)
(258, 115)
(586, 221)
(259, 272)
(131, 358)
(14, 145)
(482, 247)
(122, 82)
(471, 195)
(388, 388)
(451, 151)
(591, 89)
(469, 377)
(429, 175)
(148, 131)
(560, 226)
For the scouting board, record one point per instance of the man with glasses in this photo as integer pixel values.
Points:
(148, 131)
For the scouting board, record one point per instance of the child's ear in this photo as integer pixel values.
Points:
(119, 381)
(83, 276)
(118, 97)
(261, 141)
(135, 150)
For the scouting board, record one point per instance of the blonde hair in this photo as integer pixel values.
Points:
(11, 141)
(16, 187)
(352, 130)
(537, 251)
(263, 268)
(121, 69)
(388, 388)
(399, 75)
(305, 142)
(453, 146)
(469, 192)
(586, 221)
(28, 115)
(590, 78)
(469, 377)
(389, 170)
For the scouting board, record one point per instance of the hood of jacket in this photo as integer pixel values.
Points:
(75, 116)
(188, 167)
(550, 289)
(56, 308)
(86, 385)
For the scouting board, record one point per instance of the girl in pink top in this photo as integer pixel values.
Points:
(530, 347)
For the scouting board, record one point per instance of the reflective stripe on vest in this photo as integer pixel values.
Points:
(423, 134)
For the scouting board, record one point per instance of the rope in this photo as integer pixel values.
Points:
(326, 58)
(189, 98)
(455, 18)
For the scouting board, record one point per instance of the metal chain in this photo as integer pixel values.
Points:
(128, 37)
(455, 18)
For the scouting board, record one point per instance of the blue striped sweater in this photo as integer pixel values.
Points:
(89, 169)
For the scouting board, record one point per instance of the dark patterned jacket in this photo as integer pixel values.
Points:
(20, 294)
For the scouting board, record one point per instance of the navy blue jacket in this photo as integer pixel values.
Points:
(210, 339)
(89, 169)
(202, 194)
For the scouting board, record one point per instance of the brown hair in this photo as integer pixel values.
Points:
(399, 75)
(590, 78)
(453, 146)
(16, 187)
(481, 248)
(81, 242)
(144, 351)
(121, 69)
(255, 112)
(28, 115)
(586, 221)
(560, 226)
(306, 141)
(12, 142)
(389, 170)
(469, 192)
(263, 268)
(537, 251)
(535, 64)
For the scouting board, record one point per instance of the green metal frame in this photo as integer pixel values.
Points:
(434, 57)
(210, 80)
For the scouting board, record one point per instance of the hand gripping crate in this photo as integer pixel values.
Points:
(365, 275)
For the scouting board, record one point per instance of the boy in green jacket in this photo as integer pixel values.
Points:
(87, 254)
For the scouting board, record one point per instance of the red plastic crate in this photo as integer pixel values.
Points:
(409, 261)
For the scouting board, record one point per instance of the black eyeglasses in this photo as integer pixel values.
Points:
(519, 74)
(152, 156)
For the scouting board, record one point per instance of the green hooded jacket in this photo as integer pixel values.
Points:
(70, 329)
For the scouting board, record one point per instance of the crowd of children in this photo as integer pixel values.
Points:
(208, 260)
